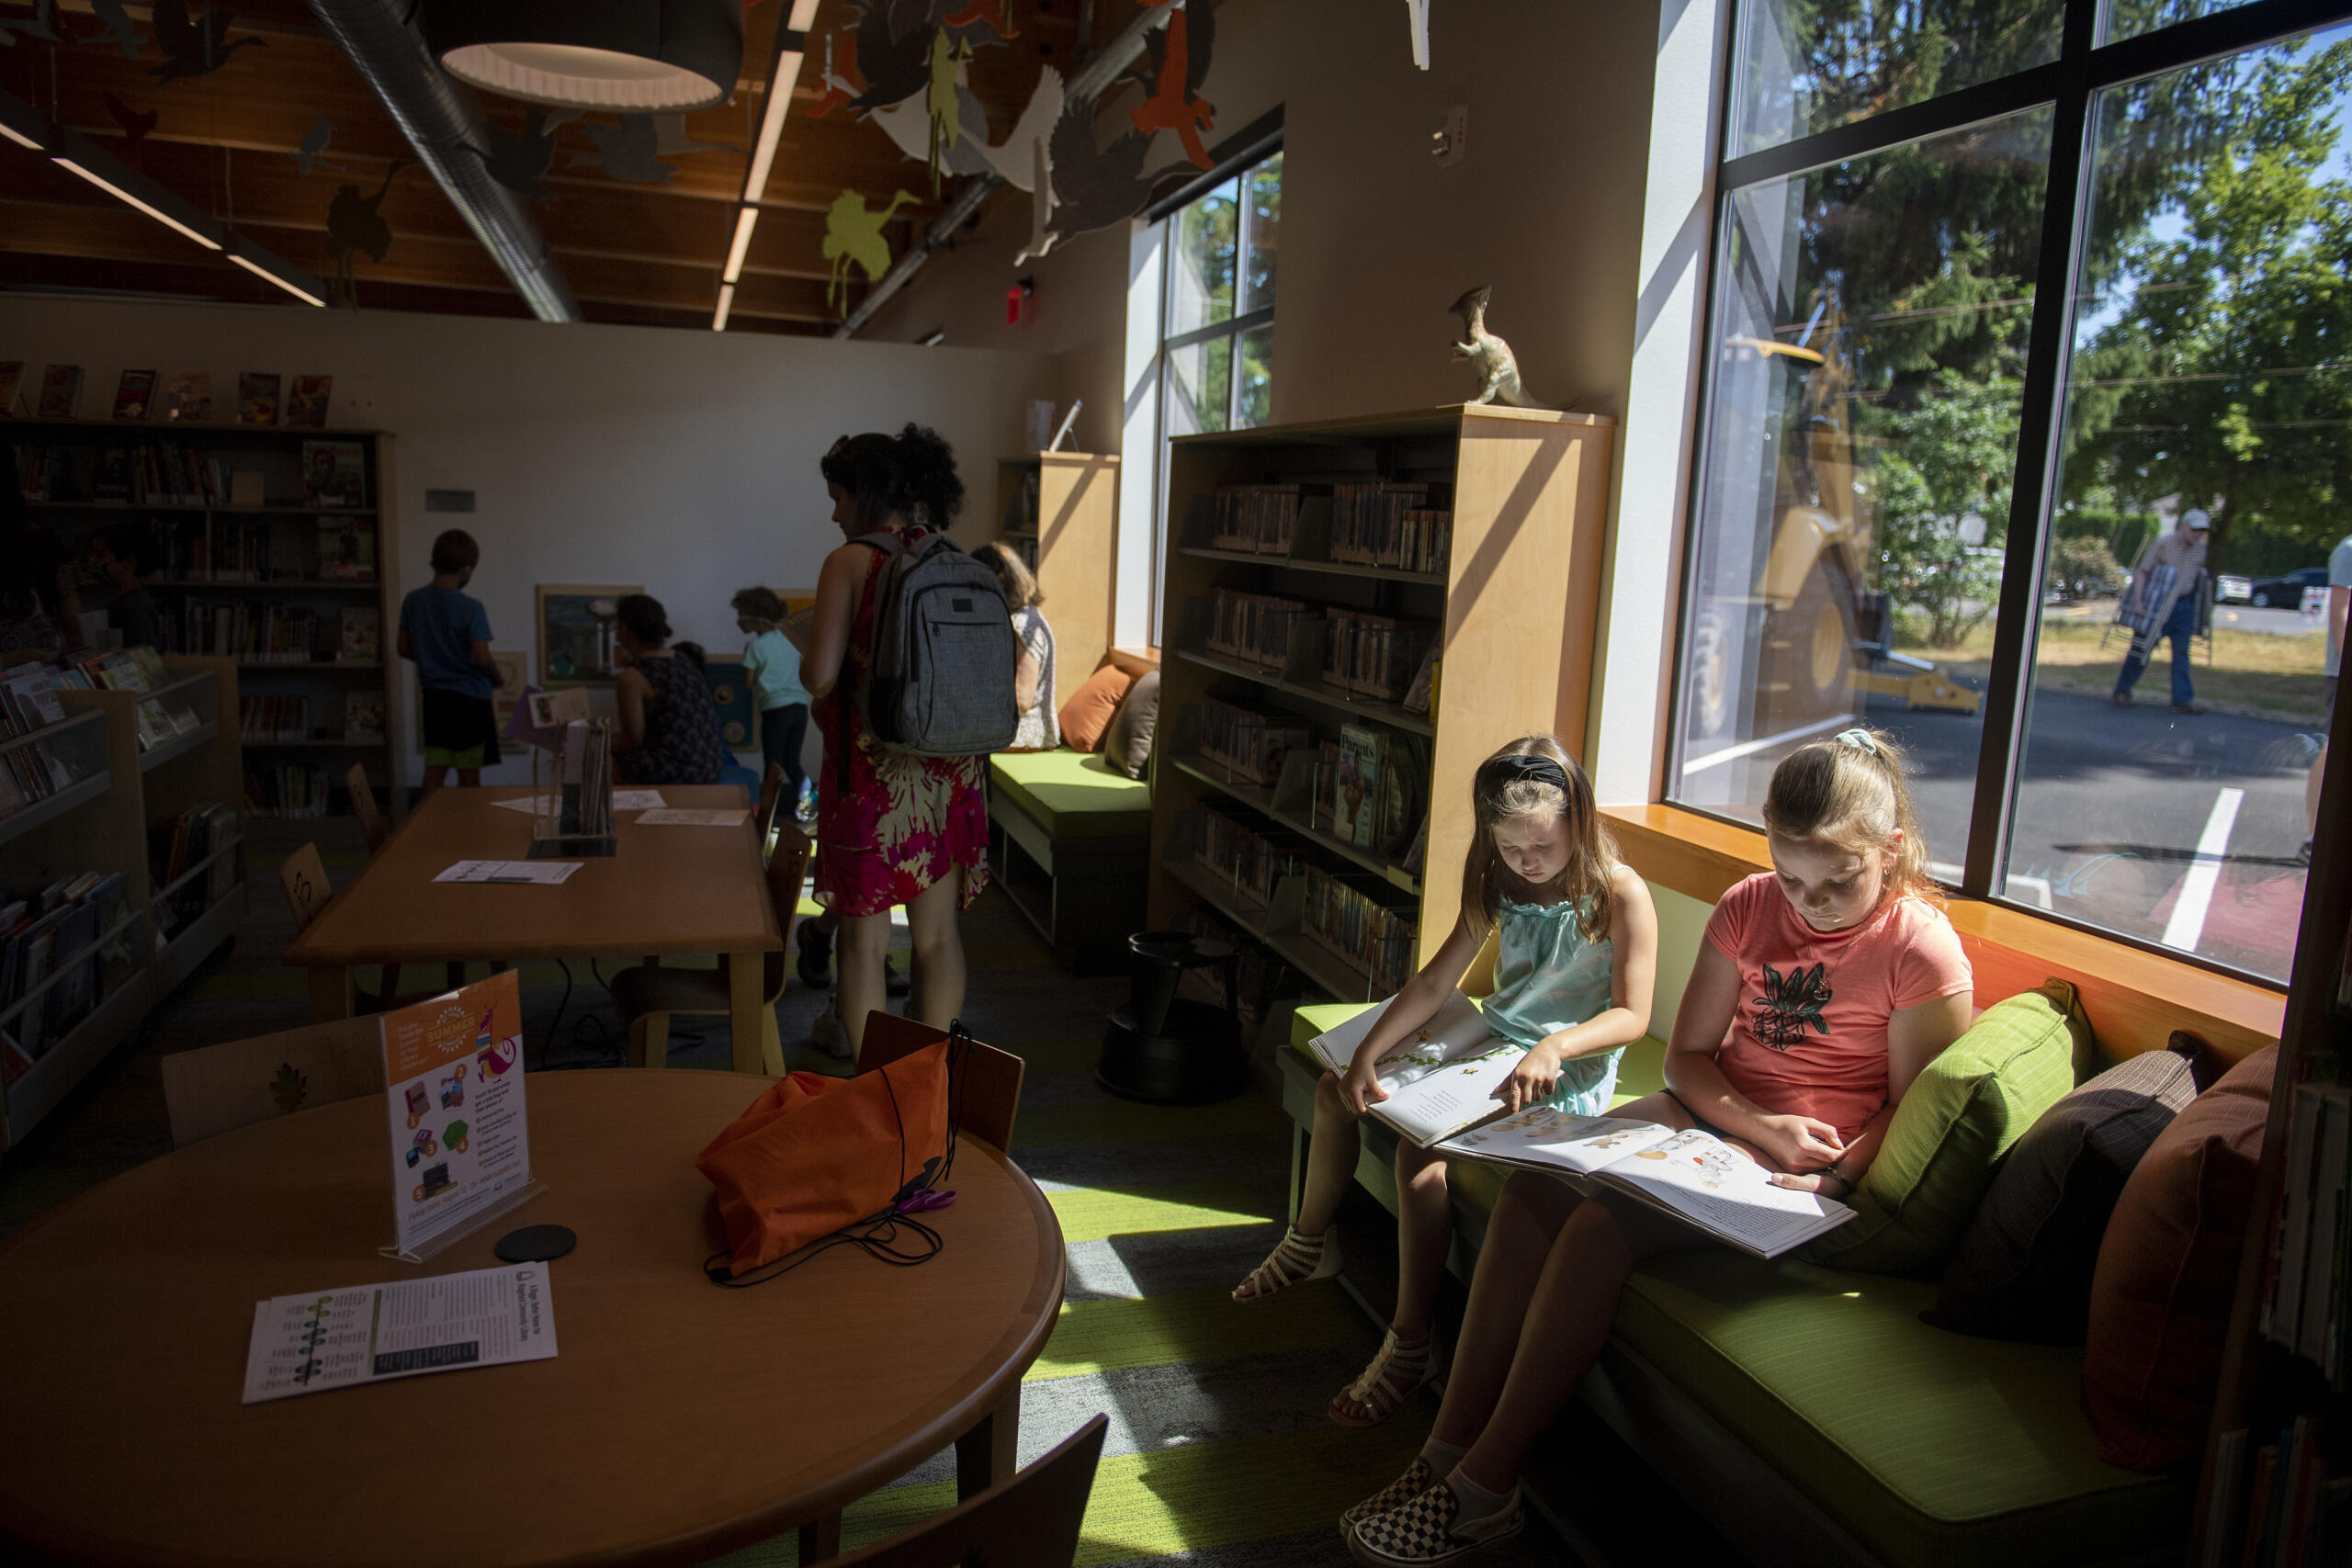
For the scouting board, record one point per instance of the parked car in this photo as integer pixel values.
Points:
(2286, 590)
(2231, 590)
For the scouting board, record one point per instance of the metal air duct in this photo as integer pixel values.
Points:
(444, 125)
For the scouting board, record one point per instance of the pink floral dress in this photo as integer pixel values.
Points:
(904, 822)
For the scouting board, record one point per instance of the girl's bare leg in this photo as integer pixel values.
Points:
(1331, 1165)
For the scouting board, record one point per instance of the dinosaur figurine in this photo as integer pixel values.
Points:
(853, 233)
(1497, 370)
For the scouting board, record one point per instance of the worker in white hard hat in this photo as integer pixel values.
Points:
(2166, 591)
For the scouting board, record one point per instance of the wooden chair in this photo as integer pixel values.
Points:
(646, 995)
(992, 1092)
(303, 876)
(363, 806)
(1029, 1520)
(771, 802)
(224, 1086)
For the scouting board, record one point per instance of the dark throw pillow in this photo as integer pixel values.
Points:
(1126, 746)
(2023, 1270)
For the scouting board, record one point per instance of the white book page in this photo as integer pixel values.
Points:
(1458, 1029)
(1555, 1138)
(1438, 1100)
(1706, 1181)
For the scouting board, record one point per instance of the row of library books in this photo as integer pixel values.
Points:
(1342, 917)
(277, 717)
(1409, 526)
(251, 549)
(2309, 1294)
(135, 670)
(294, 790)
(1253, 629)
(1380, 657)
(1371, 789)
(275, 634)
(55, 961)
(1248, 861)
(2297, 1514)
(1247, 744)
(186, 395)
(177, 848)
(157, 472)
(1264, 982)
(1260, 520)
(28, 705)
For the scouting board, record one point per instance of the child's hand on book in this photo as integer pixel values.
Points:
(1360, 1089)
(1799, 1143)
(1533, 1079)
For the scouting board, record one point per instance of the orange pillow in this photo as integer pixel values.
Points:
(2167, 1268)
(1091, 708)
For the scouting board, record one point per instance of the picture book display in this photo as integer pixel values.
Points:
(346, 549)
(60, 391)
(460, 1138)
(319, 1341)
(1442, 1077)
(187, 396)
(306, 402)
(363, 715)
(12, 376)
(575, 628)
(1695, 1175)
(134, 396)
(334, 473)
(257, 397)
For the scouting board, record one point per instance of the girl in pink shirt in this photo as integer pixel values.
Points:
(1823, 988)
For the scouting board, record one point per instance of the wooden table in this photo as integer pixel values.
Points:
(664, 890)
(677, 1420)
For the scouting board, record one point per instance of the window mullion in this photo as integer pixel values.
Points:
(2041, 423)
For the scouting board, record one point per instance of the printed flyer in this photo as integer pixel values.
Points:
(368, 1333)
(461, 1141)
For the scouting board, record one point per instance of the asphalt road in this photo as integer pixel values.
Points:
(2112, 809)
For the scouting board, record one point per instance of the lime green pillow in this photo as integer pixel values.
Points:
(1949, 1134)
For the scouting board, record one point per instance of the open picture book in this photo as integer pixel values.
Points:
(1695, 1175)
(1442, 1078)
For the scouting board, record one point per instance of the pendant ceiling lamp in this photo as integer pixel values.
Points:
(617, 56)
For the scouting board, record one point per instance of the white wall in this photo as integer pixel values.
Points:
(685, 461)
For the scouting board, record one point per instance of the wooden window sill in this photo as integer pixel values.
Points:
(1136, 661)
(2135, 999)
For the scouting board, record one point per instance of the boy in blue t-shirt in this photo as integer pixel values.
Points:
(446, 632)
(774, 666)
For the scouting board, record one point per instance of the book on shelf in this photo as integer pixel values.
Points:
(28, 705)
(306, 403)
(258, 397)
(12, 380)
(346, 549)
(1254, 628)
(1262, 519)
(361, 635)
(274, 717)
(178, 848)
(1340, 914)
(134, 395)
(297, 789)
(1374, 656)
(64, 950)
(1390, 524)
(334, 473)
(1355, 790)
(1247, 744)
(1695, 1177)
(60, 392)
(2307, 1293)
(363, 715)
(1247, 862)
(187, 396)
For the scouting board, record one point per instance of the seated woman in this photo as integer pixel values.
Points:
(1033, 677)
(1806, 1085)
(669, 725)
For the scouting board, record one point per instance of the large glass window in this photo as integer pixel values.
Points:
(1217, 327)
(1927, 504)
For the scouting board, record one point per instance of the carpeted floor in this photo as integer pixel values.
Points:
(1219, 1454)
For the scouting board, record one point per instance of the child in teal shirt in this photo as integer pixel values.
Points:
(772, 665)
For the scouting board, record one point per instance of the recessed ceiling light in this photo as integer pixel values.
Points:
(105, 171)
(726, 304)
(746, 220)
(277, 271)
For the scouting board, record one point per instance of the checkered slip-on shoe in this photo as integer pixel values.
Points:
(1428, 1531)
(1417, 1478)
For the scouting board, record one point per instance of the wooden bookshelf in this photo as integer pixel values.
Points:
(1061, 509)
(1512, 613)
(102, 821)
(290, 583)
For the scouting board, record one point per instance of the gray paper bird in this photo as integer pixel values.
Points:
(630, 150)
(314, 141)
(517, 162)
(194, 50)
(41, 24)
(120, 32)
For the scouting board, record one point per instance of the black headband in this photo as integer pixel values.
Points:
(1535, 768)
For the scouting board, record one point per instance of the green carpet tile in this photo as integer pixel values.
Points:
(1219, 1453)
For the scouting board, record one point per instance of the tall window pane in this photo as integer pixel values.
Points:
(2126, 17)
(1200, 278)
(1869, 331)
(2210, 382)
(1263, 186)
(1810, 65)
(1200, 387)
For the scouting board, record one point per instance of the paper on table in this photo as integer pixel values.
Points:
(540, 873)
(537, 805)
(370, 1333)
(678, 816)
(636, 800)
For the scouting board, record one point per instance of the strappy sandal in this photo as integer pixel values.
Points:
(1417, 1478)
(1393, 1377)
(1299, 1261)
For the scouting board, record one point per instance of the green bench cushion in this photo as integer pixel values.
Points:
(1071, 794)
(1934, 1449)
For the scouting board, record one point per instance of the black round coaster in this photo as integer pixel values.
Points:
(536, 1244)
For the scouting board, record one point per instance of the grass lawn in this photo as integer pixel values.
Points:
(2252, 673)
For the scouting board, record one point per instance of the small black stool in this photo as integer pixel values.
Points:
(1158, 1047)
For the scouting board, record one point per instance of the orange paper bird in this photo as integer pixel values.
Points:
(1175, 104)
(841, 87)
(997, 14)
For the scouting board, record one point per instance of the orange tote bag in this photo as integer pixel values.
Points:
(815, 1154)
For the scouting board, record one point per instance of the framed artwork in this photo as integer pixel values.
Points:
(575, 622)
(508, 689)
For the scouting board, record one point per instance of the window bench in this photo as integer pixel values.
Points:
(1068, 840)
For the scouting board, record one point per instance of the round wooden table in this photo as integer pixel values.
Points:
(677, 1420)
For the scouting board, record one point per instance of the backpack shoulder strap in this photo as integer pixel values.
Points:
(883, 540)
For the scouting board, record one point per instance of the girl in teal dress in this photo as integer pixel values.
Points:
(1575, 947)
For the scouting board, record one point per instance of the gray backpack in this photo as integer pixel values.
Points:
(939, 675)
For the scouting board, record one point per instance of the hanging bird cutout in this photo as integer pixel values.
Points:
(356, 226)
(194, 50)
(40, 26)
(853, 233)
(135, 126)
(120, 32)
(840, 86)
(1174, 81)
(518, 162)
(314, 141)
